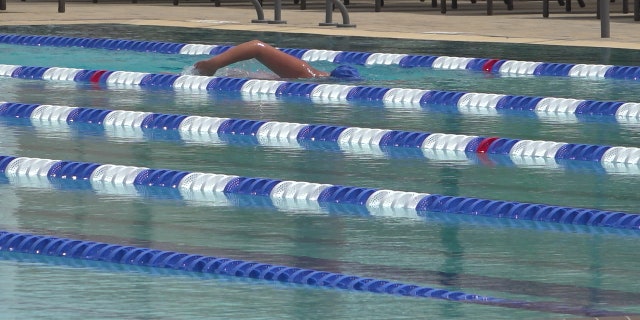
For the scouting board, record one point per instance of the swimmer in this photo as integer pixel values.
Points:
(282, 64)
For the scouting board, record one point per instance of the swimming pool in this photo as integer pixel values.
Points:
(559, 270)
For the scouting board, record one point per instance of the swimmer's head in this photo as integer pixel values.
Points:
(346, 73)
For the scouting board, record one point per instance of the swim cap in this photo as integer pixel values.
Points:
(346, 72)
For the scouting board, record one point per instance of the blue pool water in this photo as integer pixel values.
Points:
(559, 271)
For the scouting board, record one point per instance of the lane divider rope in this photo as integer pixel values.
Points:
(435, 146)
(463, 102)
(497, 66)
(198, 197)
(145, 257)
(24, 247)
(303, 194)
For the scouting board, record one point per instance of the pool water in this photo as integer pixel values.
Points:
(561, 271)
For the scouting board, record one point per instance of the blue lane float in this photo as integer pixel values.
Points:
(304, 194)
(437, 146)
(498, 66)
(52, 250)
(215, 199)
(145, 257)
(464, 102)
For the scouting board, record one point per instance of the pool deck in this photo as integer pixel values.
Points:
(406, 19)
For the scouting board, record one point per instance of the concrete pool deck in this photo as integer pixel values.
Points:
(406, 19)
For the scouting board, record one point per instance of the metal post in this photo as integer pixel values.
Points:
(277, 10)
(605, 31)
(328, 21)
(259, 12)
(61, 6)
(3, 4)
(328, 16)
(345, 14)
(545, 8)
(636, 10)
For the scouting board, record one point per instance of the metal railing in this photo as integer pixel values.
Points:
(61, 5)
(330, 5)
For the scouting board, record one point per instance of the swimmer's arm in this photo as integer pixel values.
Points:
(282, 64)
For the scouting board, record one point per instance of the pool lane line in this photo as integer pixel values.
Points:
(132, 256)
(303, 194)
(293, 204)
(432, 146)
(463, 102)
(487, 65)
(570, 294)
(146, 257)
